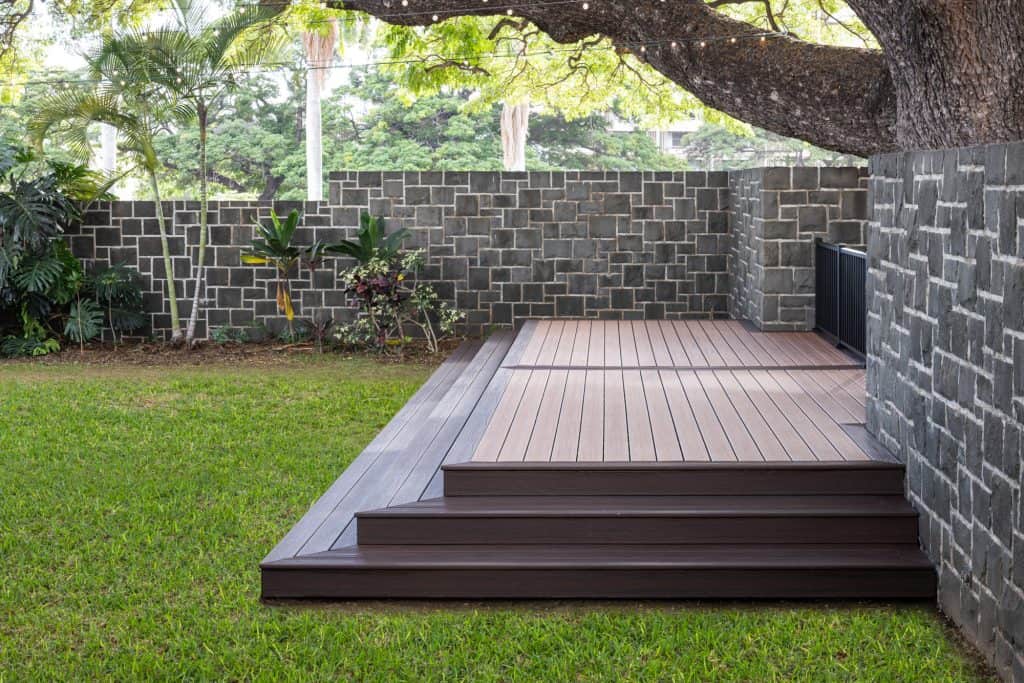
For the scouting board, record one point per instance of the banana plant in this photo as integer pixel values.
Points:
(273, 247)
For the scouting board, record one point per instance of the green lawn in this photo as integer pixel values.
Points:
(135, 505)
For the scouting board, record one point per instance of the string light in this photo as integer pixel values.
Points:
(643, 48)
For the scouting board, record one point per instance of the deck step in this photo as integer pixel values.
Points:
(688, 478)
(504, 520)
(761, 571)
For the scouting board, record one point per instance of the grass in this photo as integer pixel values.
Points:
(136, 503)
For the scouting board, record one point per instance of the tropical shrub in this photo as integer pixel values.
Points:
(44, 292)
(273, 247)
(372, 242)
(392, 303)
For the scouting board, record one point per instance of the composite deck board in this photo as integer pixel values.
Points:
(794, 447)
(659, 344)
(568, 432)
(487, 362)
(743, 444)
(836, 402)
(546, 354)
(471, 435)
(591, 441)
(818, 415)
(730, 357)
(706, 347)
(817, 443)
(501, 421)
(542, 439)
(612, 345)
(567, 343)
(757, 426)
(616, 430)
(644, 348)
(627, 346)
(711, 427)
(431, 391)
(663, 431)
(518, 437)
(401, 477)
(638, 419)
(692, 444)
(679, 344)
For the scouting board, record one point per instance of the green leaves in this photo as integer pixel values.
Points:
(372, 242)
(37, 275)
(33, 211)
(85, 321)
(274, 244)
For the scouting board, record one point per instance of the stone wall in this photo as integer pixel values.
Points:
(500, 246)
(946, 371)
(776, 215)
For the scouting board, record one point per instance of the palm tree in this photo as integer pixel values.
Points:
(319, 46)
(515, 122)
(197, 61)
(134, 110)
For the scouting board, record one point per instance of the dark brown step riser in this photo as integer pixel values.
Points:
(675, 483)
(589, 583)
(386, 530)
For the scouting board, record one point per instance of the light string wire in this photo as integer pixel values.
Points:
(638, 49)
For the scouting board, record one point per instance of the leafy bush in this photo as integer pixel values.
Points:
(392, 303)
(371, 242)
(44, 291)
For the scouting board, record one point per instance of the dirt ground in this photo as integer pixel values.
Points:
(150, 354)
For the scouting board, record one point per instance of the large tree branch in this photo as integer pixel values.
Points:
(837, 98)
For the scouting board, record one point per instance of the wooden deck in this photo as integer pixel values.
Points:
(618, 459)
(672, 391)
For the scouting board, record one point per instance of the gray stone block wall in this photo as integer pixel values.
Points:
(946, 371)
(235, 295)
(500, 246)
(776, 215)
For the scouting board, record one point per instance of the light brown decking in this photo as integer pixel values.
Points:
(696, 344)
(671, 391)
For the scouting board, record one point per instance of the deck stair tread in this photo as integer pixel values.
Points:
(808, 556)
(695, 478)
(643, 506)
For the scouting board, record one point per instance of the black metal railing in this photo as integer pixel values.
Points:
(841, 282)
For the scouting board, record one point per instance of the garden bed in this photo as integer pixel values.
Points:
(254, 354)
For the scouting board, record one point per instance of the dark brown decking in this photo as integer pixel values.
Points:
(717, 462)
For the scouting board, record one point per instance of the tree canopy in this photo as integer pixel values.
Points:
(927, 83)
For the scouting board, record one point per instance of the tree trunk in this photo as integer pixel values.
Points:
(957, 68)
(515, 123)
(172, 291)
(108, 148)
(949, 73)
(319, 53)
(314, 140)
(204, 196)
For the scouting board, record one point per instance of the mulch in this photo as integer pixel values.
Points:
(156, 354)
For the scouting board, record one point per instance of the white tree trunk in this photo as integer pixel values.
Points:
(108, 148)
(319, 53)
(314, 140)
(515, 124)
